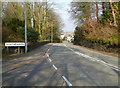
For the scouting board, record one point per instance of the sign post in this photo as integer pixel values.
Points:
(7, 50)
(26, 48)
(14, 44)
(18, 50)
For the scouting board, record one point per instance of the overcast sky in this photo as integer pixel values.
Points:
(62, 8)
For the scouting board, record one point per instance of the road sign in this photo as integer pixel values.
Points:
(14, 44)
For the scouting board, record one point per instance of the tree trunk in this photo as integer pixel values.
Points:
(97, 10)
(41, 17)
(113, 13)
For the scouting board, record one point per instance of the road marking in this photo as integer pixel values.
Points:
(94, 59)
(100, 61)
(55, 67)
(65, 45)
(49, 49)
(71, 49)
(47, 55)
(68, 83)
(50, 60)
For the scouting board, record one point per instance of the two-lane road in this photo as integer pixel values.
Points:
(80, 69)
(63, 64)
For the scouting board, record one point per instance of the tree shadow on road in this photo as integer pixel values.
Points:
(29, 75)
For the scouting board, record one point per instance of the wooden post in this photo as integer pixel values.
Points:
(18, 50)
(7, 50)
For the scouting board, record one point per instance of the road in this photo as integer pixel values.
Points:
(61, 64)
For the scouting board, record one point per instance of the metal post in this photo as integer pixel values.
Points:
(40, 30)
(26, 48)
(52, 33)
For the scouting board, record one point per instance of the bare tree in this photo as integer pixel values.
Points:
(113, 13)
(97, 10)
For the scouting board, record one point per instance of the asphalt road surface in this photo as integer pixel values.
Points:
(61, 64)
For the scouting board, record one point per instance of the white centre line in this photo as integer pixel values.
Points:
(68, 83)
(50, 60)
(47, 55)
(94, 59)
(49, 49)
(55, 67)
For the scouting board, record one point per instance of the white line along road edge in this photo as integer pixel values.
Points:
(94, 59)
(68, 83)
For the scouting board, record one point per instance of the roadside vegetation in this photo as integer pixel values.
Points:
(41, 21)
(97, 25)
(43, 24)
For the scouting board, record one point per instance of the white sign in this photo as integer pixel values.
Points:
(14, 44)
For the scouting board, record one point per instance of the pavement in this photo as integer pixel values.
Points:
(61, 64)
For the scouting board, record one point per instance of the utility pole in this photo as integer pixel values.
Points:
(26, 48)
(40, 30)
(52, 33)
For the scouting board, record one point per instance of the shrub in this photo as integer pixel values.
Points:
(32, 35)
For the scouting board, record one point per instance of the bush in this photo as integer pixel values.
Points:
(56, 39)
(32, 35)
